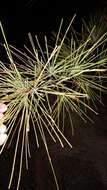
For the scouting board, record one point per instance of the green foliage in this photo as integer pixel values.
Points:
(95, 27)
(42, 87)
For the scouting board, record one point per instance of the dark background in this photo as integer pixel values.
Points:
(85, 167)
(42, 16)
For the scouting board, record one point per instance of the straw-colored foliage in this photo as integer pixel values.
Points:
(39, 87)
